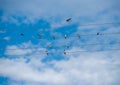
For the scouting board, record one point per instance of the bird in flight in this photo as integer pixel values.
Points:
(53, 36)
(68, 20)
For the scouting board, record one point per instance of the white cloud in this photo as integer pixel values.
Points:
(24, 49)
(99, 68)
(13, 50)
(84, 68)
(19, 70)
(7, 38)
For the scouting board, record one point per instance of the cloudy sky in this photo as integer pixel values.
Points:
(88, 56)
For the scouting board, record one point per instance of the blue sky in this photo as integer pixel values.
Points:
(23, 59)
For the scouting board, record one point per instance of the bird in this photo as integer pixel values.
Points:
(39, 34)
(98, 33)
(53, 36)
(50, 46)
(68, 20)
(64, 52)
(67, 45)
(65, 36)
(78, 35)
(21, 34)
(46, 52)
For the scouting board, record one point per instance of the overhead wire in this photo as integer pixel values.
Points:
(95, 24)
(90, 24)
(65, 46)
(78, 35)
(65, 52)
(96, 34)
(67, 36)
(92, 51)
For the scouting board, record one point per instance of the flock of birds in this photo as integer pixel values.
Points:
(40, 35)
(54, 37)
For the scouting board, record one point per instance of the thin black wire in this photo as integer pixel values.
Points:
(95, 24)
(67, 37)
(91, 44)
(100, 34)
(94, 51)
(91, 24)
(69, 53)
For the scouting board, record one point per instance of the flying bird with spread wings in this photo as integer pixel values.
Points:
(68, 20)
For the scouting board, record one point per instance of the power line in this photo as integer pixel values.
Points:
(79, 35)
(69, 52)
(97, 34)
(67, 37)
(91, 24)
(66, 46)
(95, 24)
(94, 51)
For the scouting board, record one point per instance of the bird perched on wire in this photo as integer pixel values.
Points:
(68, 20)
(53, 36)
(68, 45)
(46, 52)
(78, 35)
(50, 46)
(65, 36)
(98, 33)
(40, 35)
(64, 52)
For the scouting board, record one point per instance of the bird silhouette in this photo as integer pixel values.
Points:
(50, 46)
(64, 52)
(21, 34)
(65, 36)
(68, 45)
(68, 20)
(78, 35)
(46, 52)
(98, 33)
(53, 36)
(39, 34)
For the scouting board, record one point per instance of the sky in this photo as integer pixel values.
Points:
(91, 59)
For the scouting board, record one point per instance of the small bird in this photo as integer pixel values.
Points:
(46, 52)
(64, 52)
(78, 35)
(21, 34)
(50, 46)
(53, 36)
(40, 35)
(98, 33)
(65, 36)
(68, 20)
(67, 45)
